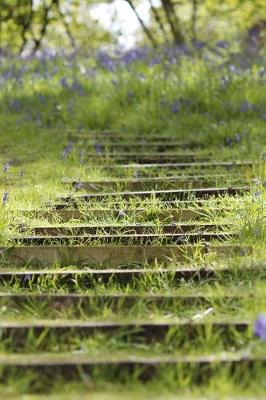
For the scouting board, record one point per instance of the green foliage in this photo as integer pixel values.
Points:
(27, 25)
(210, 20)
(43, 104)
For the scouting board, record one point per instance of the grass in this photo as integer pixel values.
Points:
(196, 101)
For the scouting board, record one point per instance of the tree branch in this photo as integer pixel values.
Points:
(172, 20)
(158, 18)
(66, 25)
(26, 27)
(45, 23)
(144, 27)
(194, 19)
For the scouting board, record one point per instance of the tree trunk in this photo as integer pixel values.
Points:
(45, 23)
(26, 27)
(144, 27)
(158, 19)
(172, 20)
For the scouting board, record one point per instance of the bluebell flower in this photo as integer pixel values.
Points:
(64, 83)
(155, 61)
(134, 55)
(26, 279)
(246, 106)
(238, 137)
(6, 166)
(16, 105)
(67, 150)
(5, 198)
(198, 45)
(98, 148)
(260, 327)
(42, 99)
(175, 107)
(77, 86)
(105, 61)
(78, 185)
(223, 44)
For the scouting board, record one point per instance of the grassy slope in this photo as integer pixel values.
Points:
(194, 100)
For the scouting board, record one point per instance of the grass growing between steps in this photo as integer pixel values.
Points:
(172, 383)
(43, 106)
(193, 101)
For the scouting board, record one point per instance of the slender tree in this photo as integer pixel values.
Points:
(172, 20)
(142, 23)
(158, 19)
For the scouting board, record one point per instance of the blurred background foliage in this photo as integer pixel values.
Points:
(30, 25)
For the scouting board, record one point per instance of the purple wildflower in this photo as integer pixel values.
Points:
(4, 198)
(6, 166)
(98, 148)
(264, 184)
(26, 279)
(15, 105)
(238, 137)
(77, 86)
(175, 107)
(260, 327)
(246, 106)
(105, 61)
(67, 150)
(64, 83)
(133, 55)
(78, 185)
(42, 99)
(223, 44)
(198, 45)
